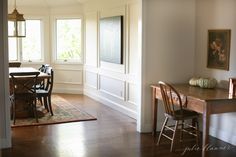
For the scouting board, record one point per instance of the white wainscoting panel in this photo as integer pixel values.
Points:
(133, 39)
(132, 93)
(91, 79)
(65, 76)
(91, 38)
(112, 87)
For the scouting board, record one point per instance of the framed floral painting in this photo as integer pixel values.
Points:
(218, 49)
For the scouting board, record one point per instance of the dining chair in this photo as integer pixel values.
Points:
(22, 88)
(43, 69)
(175, 109)
(46, 92)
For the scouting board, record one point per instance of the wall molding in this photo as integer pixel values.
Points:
(90, 86)
(111, 94)
(68, 91)
(223, 135)
(72, 83)
(111, 104)
(86, 81)
(66, 69)
(128, 94)
(123, 97)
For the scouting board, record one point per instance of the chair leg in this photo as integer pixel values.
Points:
(162, 129)
(41, 101)
(50, 104)
(174, 136)
(35, 110)
(14, 112)
(45, 102)
(197, 131)
(181, 131)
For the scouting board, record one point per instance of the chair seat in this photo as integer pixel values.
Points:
(42, 92)
(183, 115)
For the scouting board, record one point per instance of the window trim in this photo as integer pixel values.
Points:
(19, 42)
(54, 39)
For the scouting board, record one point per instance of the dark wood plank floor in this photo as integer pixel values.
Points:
(112, 135)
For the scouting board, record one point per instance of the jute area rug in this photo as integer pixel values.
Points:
(64, 112)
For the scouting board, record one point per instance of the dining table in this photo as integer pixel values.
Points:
(201, 100)
(22, 109)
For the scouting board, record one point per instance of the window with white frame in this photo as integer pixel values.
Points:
(29, 48)
(68, 40)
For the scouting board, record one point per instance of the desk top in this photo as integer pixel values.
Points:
(201, 93)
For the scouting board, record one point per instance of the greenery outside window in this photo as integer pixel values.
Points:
(68, 40)
(29, 48)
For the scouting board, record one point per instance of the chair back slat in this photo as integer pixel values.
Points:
(49, 82)
(23, 82)
(171, 98)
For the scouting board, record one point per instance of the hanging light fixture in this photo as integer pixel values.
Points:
(16, 24)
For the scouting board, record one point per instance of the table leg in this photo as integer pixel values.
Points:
(154, 106)
(205, 131)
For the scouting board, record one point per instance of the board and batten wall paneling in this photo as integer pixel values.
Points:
(116, 84)
(131, 93)
(133, 65)
(112, 87)
(68, 80)
(91, 79)
(91, 45)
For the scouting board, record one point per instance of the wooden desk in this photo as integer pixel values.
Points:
(204, 101)
(22, 110)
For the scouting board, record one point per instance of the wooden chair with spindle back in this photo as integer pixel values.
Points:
(175, 110)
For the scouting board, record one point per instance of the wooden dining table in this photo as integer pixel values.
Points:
(22, 109)
(27, 69)
(204, 101)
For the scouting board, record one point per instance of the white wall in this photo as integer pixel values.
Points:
(217, 14)
(68, 77)
(5, 131)
(112, 84)
(168, 48)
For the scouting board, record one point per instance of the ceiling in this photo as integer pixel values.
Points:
(45, 3)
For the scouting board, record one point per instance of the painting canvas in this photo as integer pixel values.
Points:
(218, 49)
(111, 39)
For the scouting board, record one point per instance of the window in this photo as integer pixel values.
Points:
(12, 49)
(68, 40)
(29, 48)
(31, 44)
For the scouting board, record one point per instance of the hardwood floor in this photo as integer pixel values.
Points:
(112, 135)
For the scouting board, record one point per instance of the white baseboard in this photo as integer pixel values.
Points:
(68, 91)
(111, 104)
(229, 137)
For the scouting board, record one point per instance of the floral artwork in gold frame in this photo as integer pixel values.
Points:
(218, 49)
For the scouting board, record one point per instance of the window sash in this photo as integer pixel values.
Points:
(68, 45)
(33, 33)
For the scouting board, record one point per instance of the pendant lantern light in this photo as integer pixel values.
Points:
(16, 24)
